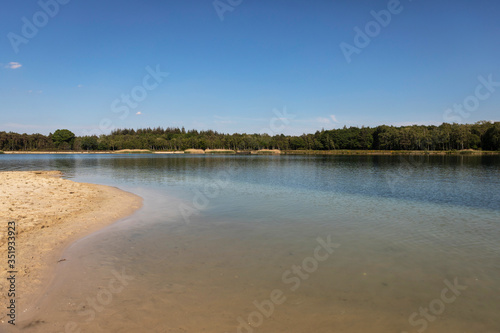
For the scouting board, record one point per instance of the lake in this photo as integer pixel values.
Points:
(282, 244)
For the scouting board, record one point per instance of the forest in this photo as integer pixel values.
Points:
(482, 135)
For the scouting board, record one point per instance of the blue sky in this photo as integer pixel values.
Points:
(268, 66)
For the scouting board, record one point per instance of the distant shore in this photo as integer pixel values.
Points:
(49, 214)
(268, 152)
(390, 152)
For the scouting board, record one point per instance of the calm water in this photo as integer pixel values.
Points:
(230, 244)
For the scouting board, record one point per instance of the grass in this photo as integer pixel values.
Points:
(134, 152)
(220, 152)
(265, 153)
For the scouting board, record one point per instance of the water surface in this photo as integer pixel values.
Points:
(218, 236)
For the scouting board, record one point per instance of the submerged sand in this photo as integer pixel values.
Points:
(50, 213)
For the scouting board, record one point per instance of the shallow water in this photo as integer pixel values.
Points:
(221, 237)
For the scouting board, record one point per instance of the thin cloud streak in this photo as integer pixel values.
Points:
(13, 65)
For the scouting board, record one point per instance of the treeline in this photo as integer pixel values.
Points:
(481, 135)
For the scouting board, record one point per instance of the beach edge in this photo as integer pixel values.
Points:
(40, 241)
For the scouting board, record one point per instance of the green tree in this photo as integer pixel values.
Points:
(492, 137)
(89, 143)
(63, 138)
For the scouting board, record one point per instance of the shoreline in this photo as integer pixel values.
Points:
(50, 214)
(274, 152)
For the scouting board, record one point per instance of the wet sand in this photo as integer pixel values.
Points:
(49, 214)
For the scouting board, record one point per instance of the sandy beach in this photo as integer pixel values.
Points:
(50, 213)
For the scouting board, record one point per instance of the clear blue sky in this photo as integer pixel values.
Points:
(230, 74)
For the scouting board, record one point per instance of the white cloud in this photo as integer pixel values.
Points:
(13, 65)
(411, 123)
(18, 125)
(80, 85)
(138, 113)
(322, 120)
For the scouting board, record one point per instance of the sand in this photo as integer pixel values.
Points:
(194, 151)
(267, 151)
(50, 213)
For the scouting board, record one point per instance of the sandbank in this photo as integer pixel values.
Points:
(50, 213)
